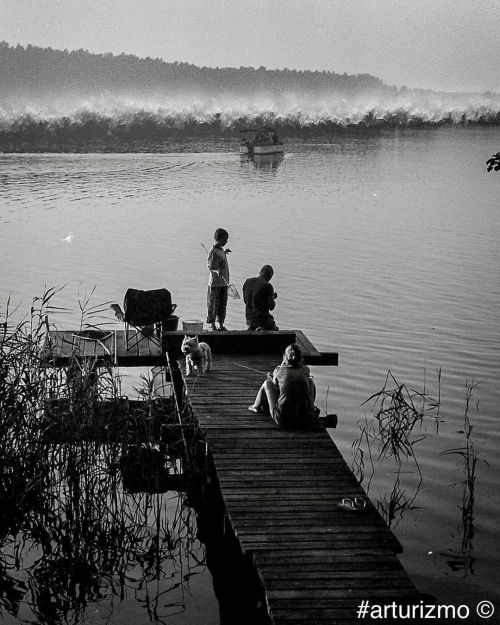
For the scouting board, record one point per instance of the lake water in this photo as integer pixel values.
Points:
(386, 249)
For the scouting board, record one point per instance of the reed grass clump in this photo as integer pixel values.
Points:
(493, 162)
(24, 384)
(393, 430)
(90, 480)
(389, 436)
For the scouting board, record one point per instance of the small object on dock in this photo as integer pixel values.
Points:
(329, 420)
(194, 326)
(356, 504)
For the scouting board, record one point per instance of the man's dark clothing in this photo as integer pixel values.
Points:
(258, 296)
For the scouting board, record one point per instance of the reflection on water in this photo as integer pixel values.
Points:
(93, 525)
(87, 544)
(263, 161)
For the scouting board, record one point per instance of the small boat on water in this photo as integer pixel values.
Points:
(260, 141)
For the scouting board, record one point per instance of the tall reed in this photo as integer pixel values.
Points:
(389, 437)
(68, 524)
(470, 457)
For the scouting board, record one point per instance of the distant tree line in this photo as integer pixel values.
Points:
(147, 131)
(34, 70)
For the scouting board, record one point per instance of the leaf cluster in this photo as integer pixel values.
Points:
(493, 162)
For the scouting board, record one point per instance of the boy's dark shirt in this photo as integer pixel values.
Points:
(257, 295)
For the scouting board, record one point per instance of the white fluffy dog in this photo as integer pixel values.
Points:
(198, 355)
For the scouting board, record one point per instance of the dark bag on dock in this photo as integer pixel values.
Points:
(143, 308)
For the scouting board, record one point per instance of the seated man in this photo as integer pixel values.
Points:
(260, 298)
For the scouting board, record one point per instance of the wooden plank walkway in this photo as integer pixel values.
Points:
(281, 490)
(131, 349)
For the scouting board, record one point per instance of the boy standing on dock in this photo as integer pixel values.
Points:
(218, 280)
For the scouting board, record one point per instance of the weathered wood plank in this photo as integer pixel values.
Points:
(362, 592)
(345, 579)
(285, 569)
(253, 546)
(271, 472)
(315, 570)
(308, 520)
(299, 554)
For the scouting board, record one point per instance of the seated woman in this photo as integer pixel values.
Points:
(289, 393)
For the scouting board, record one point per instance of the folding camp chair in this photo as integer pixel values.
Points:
(148, 313)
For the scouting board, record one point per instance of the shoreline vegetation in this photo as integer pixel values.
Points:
(150, 132)
(60, 101)
(105, 497)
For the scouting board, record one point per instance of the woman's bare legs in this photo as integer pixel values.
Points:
(266, 398)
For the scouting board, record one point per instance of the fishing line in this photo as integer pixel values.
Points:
(250, 368)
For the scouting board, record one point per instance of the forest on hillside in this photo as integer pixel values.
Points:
(33, 70)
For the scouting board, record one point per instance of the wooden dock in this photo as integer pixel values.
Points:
(282, 489)
(123, 348)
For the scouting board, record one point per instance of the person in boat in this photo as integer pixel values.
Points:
(218, 280)
(260, 298)
(288, 394)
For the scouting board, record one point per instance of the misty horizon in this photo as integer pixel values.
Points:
(55, 96)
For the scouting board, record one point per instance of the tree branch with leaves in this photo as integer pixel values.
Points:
(493, 162)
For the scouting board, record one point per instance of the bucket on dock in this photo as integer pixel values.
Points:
(192, 325)
(171, 323)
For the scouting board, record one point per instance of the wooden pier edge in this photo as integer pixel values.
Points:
(133, 348)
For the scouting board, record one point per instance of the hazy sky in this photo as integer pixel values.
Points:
(438, 44)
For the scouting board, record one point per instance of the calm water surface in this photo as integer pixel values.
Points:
(385, 248)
